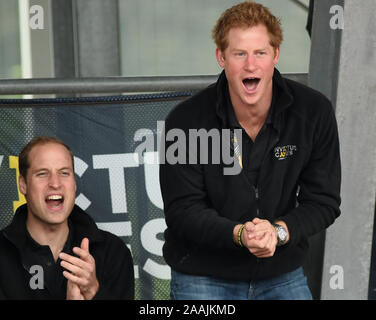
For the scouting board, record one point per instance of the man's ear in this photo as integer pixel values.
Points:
(277, 52)
(22, 185)
(220, 57)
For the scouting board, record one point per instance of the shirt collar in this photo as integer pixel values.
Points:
(282, 98)
(84, 226)
(35, 246)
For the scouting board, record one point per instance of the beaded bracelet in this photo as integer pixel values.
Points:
(240, 235)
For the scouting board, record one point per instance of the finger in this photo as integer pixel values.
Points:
(257, 235)
(265, 249)
(248, 226)
(261, 253)
(257, 220)
(260, 243)
(263, 225)
(73, 260)
(75, 279)
(79, 272)
(85, 244)
(266, 255)
(83, 254)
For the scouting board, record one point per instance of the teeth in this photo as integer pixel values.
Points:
(54, 197)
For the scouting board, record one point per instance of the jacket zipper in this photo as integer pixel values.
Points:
(257, 196)
(255, 188)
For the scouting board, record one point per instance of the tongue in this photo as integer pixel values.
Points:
(251, 85)
(54, 203)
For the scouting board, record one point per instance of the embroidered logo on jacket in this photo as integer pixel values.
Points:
(282, 153)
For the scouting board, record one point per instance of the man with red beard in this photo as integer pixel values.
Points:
(245, 235)
(52, 249)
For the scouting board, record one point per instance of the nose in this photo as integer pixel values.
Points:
(54, 181)
(250, 63)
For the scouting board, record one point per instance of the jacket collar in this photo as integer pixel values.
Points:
(83, 226)
(284, 98)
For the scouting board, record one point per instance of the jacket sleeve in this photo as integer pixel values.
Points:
(2, 295)
(320, 180)
(116, 280)
(189, 214)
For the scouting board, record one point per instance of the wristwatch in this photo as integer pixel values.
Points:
(281, 234)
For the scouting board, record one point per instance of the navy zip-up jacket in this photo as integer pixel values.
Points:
(298, 182)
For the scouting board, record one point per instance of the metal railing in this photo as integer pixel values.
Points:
(114, 84)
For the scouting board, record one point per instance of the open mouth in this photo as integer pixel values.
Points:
(54, 201)
(250, 84)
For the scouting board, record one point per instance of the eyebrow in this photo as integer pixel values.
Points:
(66, 168)
(45, 169)
(237, 49)
(244, 50)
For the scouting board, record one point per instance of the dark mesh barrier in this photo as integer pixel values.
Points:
(118, 190)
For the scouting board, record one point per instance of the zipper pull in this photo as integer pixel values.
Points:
(257, 200)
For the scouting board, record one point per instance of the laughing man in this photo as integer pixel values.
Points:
(245, 236)
(52, 249)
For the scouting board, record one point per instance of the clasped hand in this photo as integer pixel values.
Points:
(260, 238)
(82, 280)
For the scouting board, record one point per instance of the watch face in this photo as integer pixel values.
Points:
(282, 234)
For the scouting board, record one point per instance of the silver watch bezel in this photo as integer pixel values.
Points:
(281, 234)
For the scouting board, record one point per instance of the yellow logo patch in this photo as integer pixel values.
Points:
(282, 153)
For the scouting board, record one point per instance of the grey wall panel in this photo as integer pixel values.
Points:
(349, 241)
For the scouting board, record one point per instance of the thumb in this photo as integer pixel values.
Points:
(85, 244)
(256, 220)
(249, 226)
